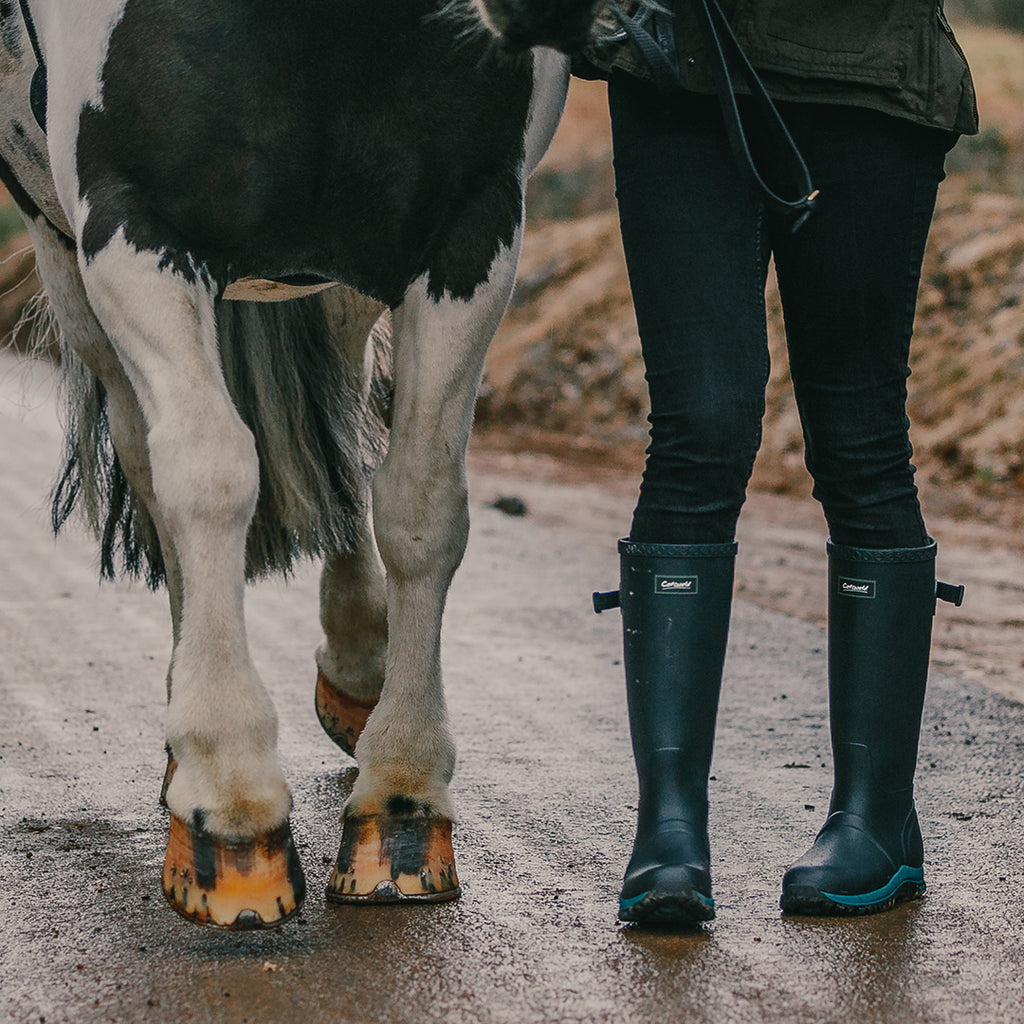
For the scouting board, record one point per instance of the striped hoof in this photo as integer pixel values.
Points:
(237, 885)
(394, 859)
(342, 717)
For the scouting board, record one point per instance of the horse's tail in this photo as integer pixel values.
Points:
(317, 420)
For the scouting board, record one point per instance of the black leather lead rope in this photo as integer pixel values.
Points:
(37, 91)
(651, 31)
(725, 46)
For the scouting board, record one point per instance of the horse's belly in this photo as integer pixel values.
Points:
(261, 289)
(355, 142)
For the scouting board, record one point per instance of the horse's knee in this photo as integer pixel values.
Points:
(421, 519)
(204, 472)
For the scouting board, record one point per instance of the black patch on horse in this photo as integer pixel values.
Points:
(22, 199)
(359, 142)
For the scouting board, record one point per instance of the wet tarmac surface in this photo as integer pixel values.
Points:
(546, 794)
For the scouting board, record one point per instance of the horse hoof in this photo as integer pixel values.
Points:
(240, 885)
(392, 858)
(342, 717)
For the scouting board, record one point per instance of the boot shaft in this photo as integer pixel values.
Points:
(881, 605)
(675, 601)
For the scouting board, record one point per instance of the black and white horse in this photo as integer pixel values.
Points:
(177, 161)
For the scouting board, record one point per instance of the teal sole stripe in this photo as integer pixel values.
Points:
(904, 875)
(626, 904)
(633, 901)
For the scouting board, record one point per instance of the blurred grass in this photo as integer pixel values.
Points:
(1004, 13)
(11, 223)
(993, 159)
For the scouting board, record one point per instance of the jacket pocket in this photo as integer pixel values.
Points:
(867, 41)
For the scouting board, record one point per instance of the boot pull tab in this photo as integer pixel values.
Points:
(605, 602)
(951, 592)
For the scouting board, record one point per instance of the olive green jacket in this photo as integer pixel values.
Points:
(896, 56)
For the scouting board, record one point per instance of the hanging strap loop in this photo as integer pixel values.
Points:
(651, 30)
(725, 48)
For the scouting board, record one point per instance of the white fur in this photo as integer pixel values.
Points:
(407, 747)
(74, 38)
(220, 721)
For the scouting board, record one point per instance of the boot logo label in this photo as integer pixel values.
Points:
(856, 588)
(676, 584)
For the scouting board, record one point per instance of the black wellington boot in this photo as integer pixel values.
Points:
(869, 854)
(675, 601)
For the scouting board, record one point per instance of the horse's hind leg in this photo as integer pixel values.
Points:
(350, 661)
(58, 269)
(396, 843)
(230, 860)
(353, 612)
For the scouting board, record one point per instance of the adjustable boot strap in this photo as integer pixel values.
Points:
(952, 593)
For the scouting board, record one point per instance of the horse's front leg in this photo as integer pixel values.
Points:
(396, 843)
(230, 860)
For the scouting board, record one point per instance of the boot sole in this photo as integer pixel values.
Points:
(667, 909)
(806, 901)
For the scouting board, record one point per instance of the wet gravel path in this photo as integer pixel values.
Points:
(546, 794)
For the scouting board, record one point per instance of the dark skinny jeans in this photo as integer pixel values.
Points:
(698, 240)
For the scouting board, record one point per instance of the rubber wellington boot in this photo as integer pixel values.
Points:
(869, 855)
(675, 602)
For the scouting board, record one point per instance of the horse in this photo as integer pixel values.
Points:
(269, 235)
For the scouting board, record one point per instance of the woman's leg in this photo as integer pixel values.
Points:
(697, 258)
(849, 283)
(849, 279)
(692, 234)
